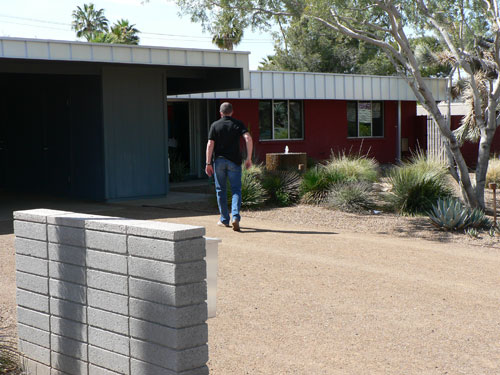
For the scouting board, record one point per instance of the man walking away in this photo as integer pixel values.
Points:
(224, 160)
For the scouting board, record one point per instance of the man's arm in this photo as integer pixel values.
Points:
(249, 144)
(209, 170)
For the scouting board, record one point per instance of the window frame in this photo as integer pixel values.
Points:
(288, 122)
(371, 124)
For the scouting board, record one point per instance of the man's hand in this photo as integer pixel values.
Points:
(248, 164)
(209, 170)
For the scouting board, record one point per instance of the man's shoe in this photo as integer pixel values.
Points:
(221, 224)
(236, 225)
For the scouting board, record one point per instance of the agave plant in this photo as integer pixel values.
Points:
(451, 214)
(282, 187)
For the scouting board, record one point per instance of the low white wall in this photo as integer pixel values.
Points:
(104, 295)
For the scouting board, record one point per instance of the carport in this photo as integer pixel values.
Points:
(89, 121)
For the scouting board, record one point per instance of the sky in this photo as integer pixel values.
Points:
(158, 21)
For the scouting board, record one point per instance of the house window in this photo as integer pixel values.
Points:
(281, 119)
(365, 119)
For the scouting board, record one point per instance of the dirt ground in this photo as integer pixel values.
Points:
(305, 290)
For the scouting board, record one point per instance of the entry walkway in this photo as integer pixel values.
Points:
(312, 300)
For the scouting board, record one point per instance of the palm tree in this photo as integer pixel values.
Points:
(125, 33)
(227, 32)
(88, 22)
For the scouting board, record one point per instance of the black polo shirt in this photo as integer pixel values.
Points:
(226, 134)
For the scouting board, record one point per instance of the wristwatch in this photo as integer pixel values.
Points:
(208, 164)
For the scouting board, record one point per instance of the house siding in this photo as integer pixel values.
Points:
(325, 130)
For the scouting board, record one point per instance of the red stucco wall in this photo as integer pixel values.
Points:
(325, 130)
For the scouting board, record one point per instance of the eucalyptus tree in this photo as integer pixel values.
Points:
(469, 31)
(88, 21)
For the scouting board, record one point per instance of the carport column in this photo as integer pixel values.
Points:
(105, 295)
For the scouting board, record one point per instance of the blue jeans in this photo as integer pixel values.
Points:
(225, 169)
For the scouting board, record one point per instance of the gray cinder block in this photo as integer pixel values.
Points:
(68, 291)
(34, 231)
(170, 251)
(108, 301)
(177, 360)
(107, 261)
(66, 235)
(69, 347)
(32, 283)
(107, 321)
(33, 318)
(112, 242)
(68, 310)
(175, 338)
(67, 254)
(38, 215)
(67, 272)
(33, 301)
(174, 317)
(108, 340)
(95, 370)
(141, 368)
(68, 328)
(68, 365)
(170, 273)
(32, 248)
(173, 295)
(35, 352)
(109, 360)
(31, 367)
(163, 230)
(106, 281)
(36, 266)
(33, 335)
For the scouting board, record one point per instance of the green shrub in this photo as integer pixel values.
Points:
(317, 182)
(451, 214)
(493, 173)
(351, 196)
(282, 187)
(418, 184)
(354, 167)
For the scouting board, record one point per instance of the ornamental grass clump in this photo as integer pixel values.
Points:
(355, 167)
(493, 173)
(351, 197)
(282, 187)
(8, 355)
(418, 184)
(451, 214)
(317, 183)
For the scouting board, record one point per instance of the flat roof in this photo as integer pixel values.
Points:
(303, 85)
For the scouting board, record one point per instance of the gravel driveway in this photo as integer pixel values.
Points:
(323, 299)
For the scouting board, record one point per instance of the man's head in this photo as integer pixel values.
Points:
(226, 109)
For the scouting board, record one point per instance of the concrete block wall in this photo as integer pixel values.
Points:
(104, 295)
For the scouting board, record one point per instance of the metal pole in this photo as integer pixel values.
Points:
(493, 186)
